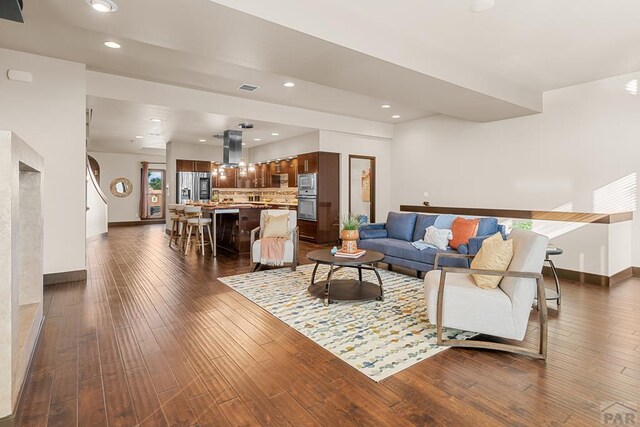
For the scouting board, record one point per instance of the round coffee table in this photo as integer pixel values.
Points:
(331, 290)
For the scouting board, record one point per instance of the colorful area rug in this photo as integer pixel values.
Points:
(379, 338)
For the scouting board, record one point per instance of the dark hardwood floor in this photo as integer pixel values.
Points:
(153, 338)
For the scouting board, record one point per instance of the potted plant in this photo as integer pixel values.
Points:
(349, 233)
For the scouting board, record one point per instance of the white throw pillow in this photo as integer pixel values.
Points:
(437, 237)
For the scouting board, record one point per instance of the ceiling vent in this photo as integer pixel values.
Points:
(11, 10)
(249, 88)
(245, 125)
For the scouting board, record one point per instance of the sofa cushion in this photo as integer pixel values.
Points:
(422, 223)
(463, 229)
(487, 226)
(465, 306)
(444, 221)
(401, 249)
(401, 225)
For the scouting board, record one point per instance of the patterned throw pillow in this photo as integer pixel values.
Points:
(495, 254)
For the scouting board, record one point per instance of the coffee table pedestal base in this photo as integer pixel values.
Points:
(345, 290)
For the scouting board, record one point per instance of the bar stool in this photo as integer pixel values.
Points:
(553, 295)
(175, 230)
(194, 219)
(180, 226)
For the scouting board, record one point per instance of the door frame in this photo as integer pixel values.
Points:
(164, 191)
(372, 214)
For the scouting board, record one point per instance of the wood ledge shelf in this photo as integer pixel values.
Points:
(589, 218)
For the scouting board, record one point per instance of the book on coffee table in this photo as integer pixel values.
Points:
(357, 254)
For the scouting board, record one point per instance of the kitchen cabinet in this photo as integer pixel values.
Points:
(184, 165)
(327, 225)
(229, 181)
(263, 175)
(308, 163)
(192, 166)
(293, 172)
(202, 166)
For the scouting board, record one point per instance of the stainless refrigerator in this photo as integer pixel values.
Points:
(194, 186)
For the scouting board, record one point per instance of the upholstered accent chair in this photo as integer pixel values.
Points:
(290, 245)
(454, 301)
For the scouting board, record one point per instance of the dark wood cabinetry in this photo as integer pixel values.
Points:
(293, 173)
(308, 163)
(308, 230)
(327, 166)
(193, 166)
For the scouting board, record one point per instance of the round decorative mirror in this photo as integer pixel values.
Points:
(121, 187)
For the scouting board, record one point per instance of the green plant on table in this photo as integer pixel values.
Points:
(350, 222)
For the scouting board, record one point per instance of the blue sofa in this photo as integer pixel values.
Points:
(394, 238)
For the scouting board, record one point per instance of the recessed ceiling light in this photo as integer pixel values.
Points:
(112, 45)
(154, 134)
(289, 84)
(257, 139)
(139, 136)
(275, 134)
(157, 120)
(632, 86)
(277, 160)
(202, 140)
(385, 106)
(482, 5)
(103, 6)
(395, 116)
(244, 143)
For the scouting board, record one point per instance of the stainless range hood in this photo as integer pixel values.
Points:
(232, 147)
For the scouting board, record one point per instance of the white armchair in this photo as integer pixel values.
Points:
(454, 300)
(290, 246)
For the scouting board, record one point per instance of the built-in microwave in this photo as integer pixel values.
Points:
(307, 208)
(307, 184)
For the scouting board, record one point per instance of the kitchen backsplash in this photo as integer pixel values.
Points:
(281, 195)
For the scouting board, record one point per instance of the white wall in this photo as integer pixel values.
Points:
(116, 165)
(586, 139)
(380, 148)
(49, 114)
(307, 143)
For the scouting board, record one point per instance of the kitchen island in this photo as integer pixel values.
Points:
(232, 225)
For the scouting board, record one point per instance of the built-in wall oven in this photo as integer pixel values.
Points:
(307, 208)
(307, 197)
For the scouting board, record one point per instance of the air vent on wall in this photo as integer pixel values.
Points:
(248, 87)
(245, 125)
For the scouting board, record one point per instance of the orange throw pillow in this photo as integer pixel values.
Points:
(463, 229)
